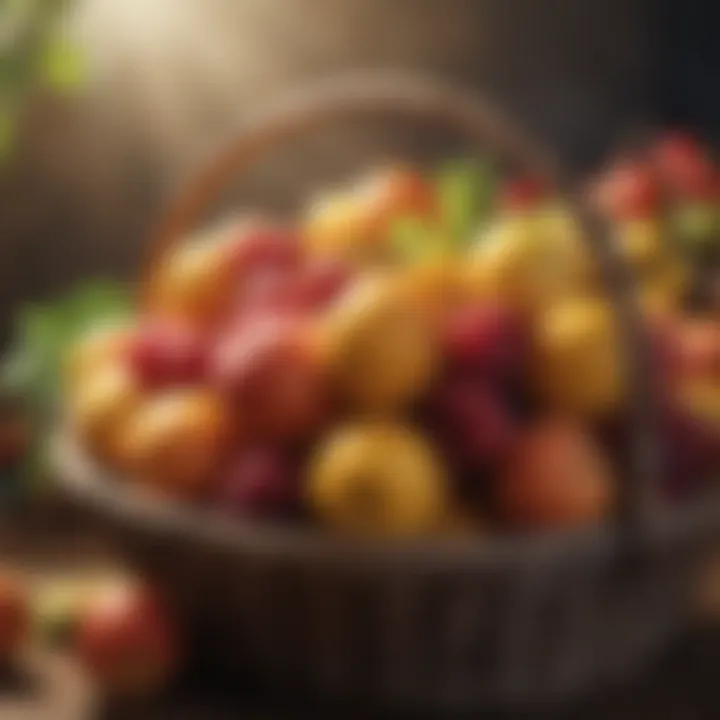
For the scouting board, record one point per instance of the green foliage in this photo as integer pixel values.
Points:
(30, 373)
(466, 192)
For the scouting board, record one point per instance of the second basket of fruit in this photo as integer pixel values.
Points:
(384, 449)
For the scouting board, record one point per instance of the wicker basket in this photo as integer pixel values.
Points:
(446, 624)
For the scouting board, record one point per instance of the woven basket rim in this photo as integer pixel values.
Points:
(85, 482)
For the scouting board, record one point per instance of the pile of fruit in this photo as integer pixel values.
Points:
(120, 631)
(417, 354)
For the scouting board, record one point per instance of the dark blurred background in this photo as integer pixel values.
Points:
(167, 80)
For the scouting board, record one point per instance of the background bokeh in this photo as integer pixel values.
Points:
(165, 81)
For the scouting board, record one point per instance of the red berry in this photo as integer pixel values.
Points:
(475, 424)
(165, 352)
(523, 193)
(259, 483)
(127, 641)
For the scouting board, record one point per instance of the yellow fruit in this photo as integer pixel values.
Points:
(378, 479)
(338, 225)
(174, 441)
(434, 284)
(102, 405)
(353, 223)
(578, 360)
(380, 345)
(530, 260)
(101, 346)
(195, 283)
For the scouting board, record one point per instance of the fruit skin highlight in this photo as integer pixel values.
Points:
(379, 480)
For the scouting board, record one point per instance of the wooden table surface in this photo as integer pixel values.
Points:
(49, 686)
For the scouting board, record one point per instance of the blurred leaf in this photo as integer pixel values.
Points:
(466, 192)
(31, 368)
(62, 64)
(412, 239)
(696, 225)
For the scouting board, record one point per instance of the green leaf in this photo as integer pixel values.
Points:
(696, 225)
(62, 64)
(466, 192)
(31, 368)
(412, 239)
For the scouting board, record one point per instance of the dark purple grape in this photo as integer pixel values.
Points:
(259, 483)
(472, 422)
(489, 339)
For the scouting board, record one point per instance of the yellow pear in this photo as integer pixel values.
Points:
(378, 479)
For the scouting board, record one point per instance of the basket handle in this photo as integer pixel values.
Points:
(422, 98)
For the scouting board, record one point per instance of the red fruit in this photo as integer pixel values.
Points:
(166, 352)
(475, 425)
(557, 477)
(14, 614)
(699, 348)
(259, 483)
(270, 373)
(489, 338)
(270, 289)
(265, 246)
(690, 450)
(321, 282)
(685, 166)
(629, 191)
(523, 194)
(127, 641)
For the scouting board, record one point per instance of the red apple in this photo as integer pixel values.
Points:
(167, 352)
(128, 642)
(271, 374)
(14, 614)
(557, 477)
